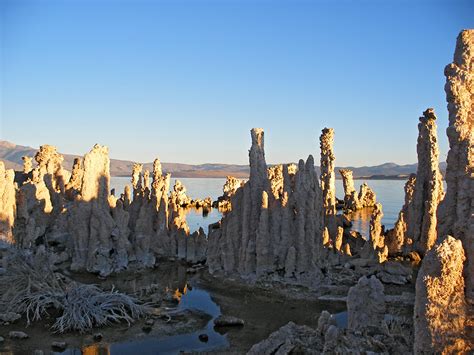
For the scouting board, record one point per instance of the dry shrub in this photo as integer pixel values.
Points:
(30, 287)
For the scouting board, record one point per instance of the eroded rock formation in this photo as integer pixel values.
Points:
(328, 178)
(179, 195)
(7, 203)
(440, 308)
(445, 283)
(396, 239)
(415, 229)
(27, 164)
(366, 304)
(40, 199)
(352, 200)
(73, 187)
(86, 224)
(229, 189)
(376, 247)
(297, 232)
(275, 222)
(97, 240)
(457, 210)
(331, 338)
(50, 166)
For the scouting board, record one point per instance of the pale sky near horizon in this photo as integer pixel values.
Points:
(187, 80)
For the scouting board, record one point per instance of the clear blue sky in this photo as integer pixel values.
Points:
(186, 80)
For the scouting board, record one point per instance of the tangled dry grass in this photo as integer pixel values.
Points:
(30, 287)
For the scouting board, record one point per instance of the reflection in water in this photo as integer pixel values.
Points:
(96, 349)
(361, 221)
(196, 299)
(390, 194)
(196, 218)
(178, 293)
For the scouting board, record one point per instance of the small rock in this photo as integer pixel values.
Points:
(191, 270)
(2, 340)
(387, 278)
(228, 321)
(203, 337)
(17, 335)
(59, 345)
(9, 316)
(149, 322)
(98, 336)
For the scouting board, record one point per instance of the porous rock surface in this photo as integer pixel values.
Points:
(229, 189)
(7, 203)
(445, 284)
(82, 224)
(415, 229)
(456, 213)
(440, 308)
(275, 221)
(352, 200)
(366, 304)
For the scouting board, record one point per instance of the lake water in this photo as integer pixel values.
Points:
(196, 299)
(389, 192)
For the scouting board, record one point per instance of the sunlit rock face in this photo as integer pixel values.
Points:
(7, 203)
(415, 228)
(396, 238)
(328, 186)
(27, 164)
(40, 199)
(49, 163)
(275, 222)
(229, 189)
(73, 187)
(354, 201)
(456, 213)
(95, 230)
(328, 178)
(377, 238)
(445, 283)
(375, 248)
(179, 195)
(428, 190)
(440, 308)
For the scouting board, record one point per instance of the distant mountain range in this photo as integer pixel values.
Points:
(11, 154)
